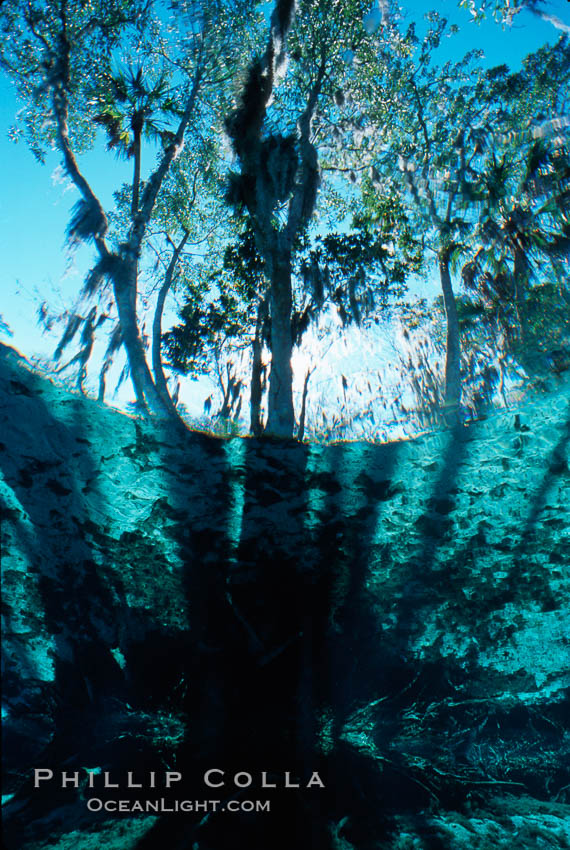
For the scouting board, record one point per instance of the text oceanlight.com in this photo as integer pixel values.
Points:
(95, 804)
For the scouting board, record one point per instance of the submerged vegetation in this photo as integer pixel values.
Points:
(297, 173)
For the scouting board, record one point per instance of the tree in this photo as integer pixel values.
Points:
(184, 228)
(279, 173)
(130, 108)
(223, 318)
(432, 123)
(61, 59)
(506, 11)
(522, 234)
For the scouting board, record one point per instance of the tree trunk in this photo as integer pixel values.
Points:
(225, 411)
(452, 395)
(520, 272)
(281, 418)
(256, 390)
(302, 416)
(125, 290)
(157, 370)
(136, 173)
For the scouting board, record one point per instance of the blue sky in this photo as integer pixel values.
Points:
(35, 201)
(35, 205)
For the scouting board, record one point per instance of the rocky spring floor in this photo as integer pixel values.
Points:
(394, 617)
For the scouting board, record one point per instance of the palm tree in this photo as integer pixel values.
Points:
(523, 232)
(132, 108)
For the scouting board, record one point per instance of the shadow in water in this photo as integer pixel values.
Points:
(285, 649)
(56, 698)
(556, 465)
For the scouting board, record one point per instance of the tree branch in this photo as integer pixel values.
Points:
(304, 196)
(154, 183)
(60, 108)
